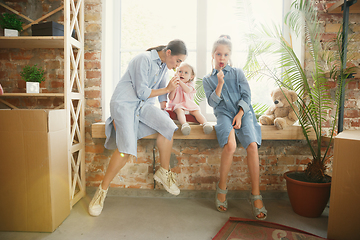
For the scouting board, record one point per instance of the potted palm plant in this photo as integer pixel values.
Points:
(33, 76)
(318, 104)
(11, 24)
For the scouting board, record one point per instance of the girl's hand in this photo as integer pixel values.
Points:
(237, 120)
(220, 76)
(173, 83)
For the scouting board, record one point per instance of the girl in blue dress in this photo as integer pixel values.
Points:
(134, 116)
(228, 92)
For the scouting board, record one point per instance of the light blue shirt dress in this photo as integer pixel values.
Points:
(235, 94)
(132, 110)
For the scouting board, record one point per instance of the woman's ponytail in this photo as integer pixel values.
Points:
(176, 46)
(158, 48)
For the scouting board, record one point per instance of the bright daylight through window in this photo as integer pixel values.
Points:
(147, 24)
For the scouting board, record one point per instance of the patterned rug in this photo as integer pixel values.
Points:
(241, 228)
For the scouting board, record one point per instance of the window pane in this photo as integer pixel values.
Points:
(146, 24)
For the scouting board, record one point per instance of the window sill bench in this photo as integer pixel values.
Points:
(269, 132)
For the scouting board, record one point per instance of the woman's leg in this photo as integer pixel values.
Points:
(225, 165)
(165, 146)
(199, 117)
(117, 162)
(163, 174)
(254, 169)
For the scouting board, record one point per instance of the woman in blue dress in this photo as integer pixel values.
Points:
(228, 92)
(134, 116)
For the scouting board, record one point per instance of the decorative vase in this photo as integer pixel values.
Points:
(307, 199)
(32, 87)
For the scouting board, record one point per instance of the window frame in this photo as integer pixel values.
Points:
(111, 45)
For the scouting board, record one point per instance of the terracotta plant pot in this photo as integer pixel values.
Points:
(307, 199)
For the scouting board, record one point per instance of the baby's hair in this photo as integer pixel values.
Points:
(222, 41)
(192, 70)
(176, 46)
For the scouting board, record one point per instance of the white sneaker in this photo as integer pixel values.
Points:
(207, 128)
(185, 129)
(97, 203)
(166, 178)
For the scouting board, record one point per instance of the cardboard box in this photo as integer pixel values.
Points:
(344, 211)
(34, 171)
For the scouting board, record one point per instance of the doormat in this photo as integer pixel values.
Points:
(241, 228)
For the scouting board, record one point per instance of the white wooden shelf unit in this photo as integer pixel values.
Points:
(74, 102)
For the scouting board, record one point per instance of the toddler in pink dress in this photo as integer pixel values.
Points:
(182, 99)
(1, 90)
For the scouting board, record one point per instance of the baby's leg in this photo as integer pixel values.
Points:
(199, 117)
(207, 127)
(180, 113)
(185, 127)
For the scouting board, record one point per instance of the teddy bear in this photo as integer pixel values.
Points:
(281, 114)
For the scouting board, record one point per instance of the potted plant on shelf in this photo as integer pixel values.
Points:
(33, 76)
(317, 103)
(11, 24)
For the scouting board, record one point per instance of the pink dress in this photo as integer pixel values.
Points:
(184, 100)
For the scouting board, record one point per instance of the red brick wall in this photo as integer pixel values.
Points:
(195, 162)
(331, 24)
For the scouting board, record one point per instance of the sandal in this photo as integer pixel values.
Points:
(256, 211)
(218, 204)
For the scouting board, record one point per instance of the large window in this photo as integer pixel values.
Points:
(140, 24)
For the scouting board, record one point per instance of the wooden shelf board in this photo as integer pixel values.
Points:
(32, 42)
(32, 95)
(268, 133)
(337, 7)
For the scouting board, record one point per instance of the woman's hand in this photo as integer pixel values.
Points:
(220, 77)
(173, 83)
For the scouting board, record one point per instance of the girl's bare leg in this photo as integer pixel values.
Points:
(180, 113)
(199, 117)
(254, 169)
(225, 165)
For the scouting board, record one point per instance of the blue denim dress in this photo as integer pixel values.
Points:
(235, 94)
(132, 110)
